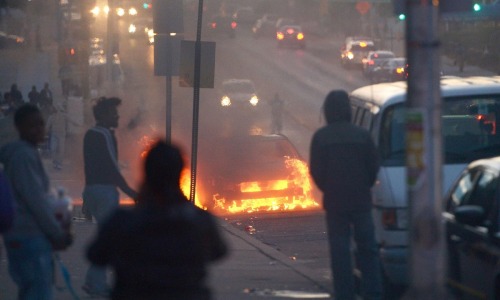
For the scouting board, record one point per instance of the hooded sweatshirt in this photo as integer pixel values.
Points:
(343, 158)
(34, 215)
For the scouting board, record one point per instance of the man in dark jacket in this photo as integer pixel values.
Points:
(344, 164)
(162, 247)
(102, 178)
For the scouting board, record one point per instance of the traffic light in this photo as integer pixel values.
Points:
(477, 6)
(402, 17)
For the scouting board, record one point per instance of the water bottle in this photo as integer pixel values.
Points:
(63, 208)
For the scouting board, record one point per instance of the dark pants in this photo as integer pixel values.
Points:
(339, 229)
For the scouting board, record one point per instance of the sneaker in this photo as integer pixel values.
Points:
(96, 293)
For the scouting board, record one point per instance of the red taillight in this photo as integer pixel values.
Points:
(213, 25)
(280, 35)
(300, 36)
(371, 62)
(233, 24)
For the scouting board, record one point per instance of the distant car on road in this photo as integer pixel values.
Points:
(220, 25)
(472, 221)
(291, 36)
(255, 172)
(375, 59)
(355, 50)
(391, 70)
(239, 93)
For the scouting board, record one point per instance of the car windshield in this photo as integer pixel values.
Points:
(469, 130)
(239, 87)
(260, 150)
(362, 48)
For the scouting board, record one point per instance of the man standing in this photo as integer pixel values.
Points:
(46, 99)
(344, 165)
(35, 232)
(34, 96)
(161, 248)
(102, 178)
(57, 125)
(16, 95)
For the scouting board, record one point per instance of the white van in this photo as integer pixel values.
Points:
(470, 114)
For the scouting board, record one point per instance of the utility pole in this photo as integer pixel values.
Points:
(196, 103)
(110, 42)
(424, 152)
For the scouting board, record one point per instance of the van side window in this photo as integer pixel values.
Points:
(359, 116)
(366, 122)
(392, 136)
(354, 111)
(469, 128)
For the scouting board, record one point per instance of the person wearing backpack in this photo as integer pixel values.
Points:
(36, 233)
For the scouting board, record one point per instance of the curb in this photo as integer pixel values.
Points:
(276, 255)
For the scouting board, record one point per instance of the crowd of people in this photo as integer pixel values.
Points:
(54, 115)
(13, 99)
(159, 250)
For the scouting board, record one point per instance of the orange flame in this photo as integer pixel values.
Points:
(186, 188)
(295, 193)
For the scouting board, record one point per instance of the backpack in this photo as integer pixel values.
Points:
(6, 204)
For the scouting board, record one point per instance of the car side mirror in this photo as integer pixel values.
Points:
(472, 215)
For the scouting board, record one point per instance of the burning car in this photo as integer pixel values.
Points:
(257, 173)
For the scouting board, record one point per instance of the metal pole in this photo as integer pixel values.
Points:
(196, 102)
(168, 118)
(110, 41)
(168, 132)
(424, 152)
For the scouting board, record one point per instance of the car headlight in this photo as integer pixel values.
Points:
(132, 11)
(132, 28)
(95, 11)
(120, 12)
(350, 55)
(395, 218)
(225, 101)
(106, 9)
(254, 100)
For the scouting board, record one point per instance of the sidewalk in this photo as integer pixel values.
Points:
(251, 270)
